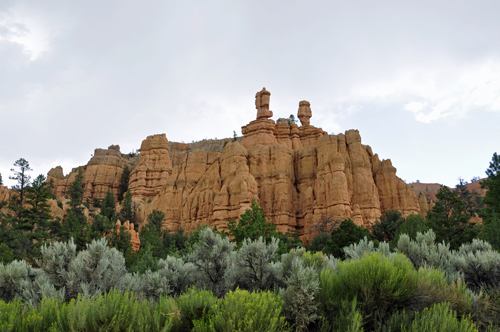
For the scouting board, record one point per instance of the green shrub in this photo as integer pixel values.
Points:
(244, 311)
(479, 264)
(299, 297)
(424, 252)
(14, 278)
(211, 258)
(195, 305)
(380, 284)
(254, 267)
(439, 317)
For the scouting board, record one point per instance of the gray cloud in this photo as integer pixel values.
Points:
(419, 80)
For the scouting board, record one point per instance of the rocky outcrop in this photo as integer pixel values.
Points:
(153, 169)
(299, 176)
(134, 236)
(4, 194)
(102, 173)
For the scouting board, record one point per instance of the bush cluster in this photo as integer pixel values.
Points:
(221, 287)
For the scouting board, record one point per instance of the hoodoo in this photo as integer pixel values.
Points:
(298, 174)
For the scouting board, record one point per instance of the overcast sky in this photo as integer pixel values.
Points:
(419, 79)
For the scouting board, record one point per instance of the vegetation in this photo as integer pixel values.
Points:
(409, 274)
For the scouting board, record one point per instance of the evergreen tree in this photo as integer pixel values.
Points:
(252, 225)
(124, 182)
(75, 224)
(127, 212)
(346, 234)
(37, 218)
(450, 217)
(1, 181)
(108, 206)
(492, 197)
(385, 228)
(23, 180)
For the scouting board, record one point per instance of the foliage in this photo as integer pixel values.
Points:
(251, 225)
(194, 305)
(439, 317)
(492, 197)
(108, 206)
(479, 264)
(211, 257)
(386, 228)
(299, 297)
(424, 252)
(381, 285)
(449, 218)
(491, 231)
(412, 224)
(124, 179)
(244, 311)
(127, 212)
(75, 223)
(346, 234)
(253, 267)
(319, 243)
(23, 181)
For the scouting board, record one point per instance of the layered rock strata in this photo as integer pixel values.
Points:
(298, 175)
(153, 169)
(102, 173)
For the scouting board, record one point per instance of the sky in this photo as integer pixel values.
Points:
(420, 79)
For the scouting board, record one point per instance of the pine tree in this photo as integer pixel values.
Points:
(108, 206)
(346, 234)
(38, 218)
(127, 212)
(23, 180)
(124, 182)
(75, 224)
(1, 181)
(492, 197)
(449, 218)
(252, 225)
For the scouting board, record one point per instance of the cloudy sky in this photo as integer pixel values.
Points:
(419, 79)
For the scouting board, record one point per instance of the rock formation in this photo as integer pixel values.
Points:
(299, 176)
(153, 169)
(102, 173)
(134, 236)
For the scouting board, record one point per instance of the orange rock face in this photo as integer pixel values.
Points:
(298, 175)
(153, 169)
(134, 236)
(102, 173)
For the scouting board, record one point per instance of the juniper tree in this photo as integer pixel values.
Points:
(385, 229)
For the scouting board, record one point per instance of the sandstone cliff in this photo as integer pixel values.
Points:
(102, 173)
(298, 174)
